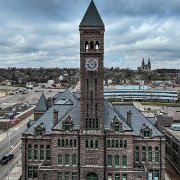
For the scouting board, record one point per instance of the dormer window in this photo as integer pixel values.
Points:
(39, 130)
(146, 134)
(66, 126)
(116, 127)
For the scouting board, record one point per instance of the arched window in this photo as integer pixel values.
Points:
(108, 143)
(92, 45)
(86, 46)
(67, 142)
(117, 144)
(59, 176)
(93, 124)
(48, 153)
(41, 152)
(91, 144)
(60, 159)
(156, 154)
(116, 127)
(62, 143)
(29, 152)
(117, 160)
(125, 144)
(75, 143)
(74, 160)
(97, 45)
(92, 176)
(71, 143)
(87, 144)
(150, 154)
(124, 161)
(35, 152)
(143, 154)
(66, 159)
(137, 154)
(112, 143)
(117, 177)
(96, 144)
(109, 163)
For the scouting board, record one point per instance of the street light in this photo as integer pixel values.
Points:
(8, 135)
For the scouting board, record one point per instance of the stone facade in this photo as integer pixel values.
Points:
(173, 147)
(88, 138)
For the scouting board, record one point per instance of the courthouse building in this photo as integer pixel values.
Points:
(84, 137)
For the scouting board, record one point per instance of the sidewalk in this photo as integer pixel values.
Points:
(16, 172)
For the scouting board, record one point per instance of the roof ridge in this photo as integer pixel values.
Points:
(59, 120)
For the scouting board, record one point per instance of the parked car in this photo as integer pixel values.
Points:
(6, 158)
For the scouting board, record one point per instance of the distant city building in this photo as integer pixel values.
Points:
(145, 68)
(83, 136)
(141, 94)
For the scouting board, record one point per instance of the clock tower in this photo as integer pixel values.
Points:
(92, 70)
(92, 100)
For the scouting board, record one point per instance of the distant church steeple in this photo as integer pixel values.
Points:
(143, 63)
(149, 63)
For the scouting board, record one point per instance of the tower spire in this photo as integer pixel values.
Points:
(92, 17)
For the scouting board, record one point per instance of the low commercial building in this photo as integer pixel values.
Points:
(143, 95)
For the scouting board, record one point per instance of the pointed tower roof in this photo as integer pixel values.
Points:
(42, 105)
(92, 17)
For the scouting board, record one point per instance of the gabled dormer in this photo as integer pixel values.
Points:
(116, 125)
(39, 130)
(67, 124)
(146, 131)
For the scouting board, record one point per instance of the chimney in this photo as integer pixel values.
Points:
(55, 116)
(129, 118)
(49, 102)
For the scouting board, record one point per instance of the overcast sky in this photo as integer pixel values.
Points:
(45, 33)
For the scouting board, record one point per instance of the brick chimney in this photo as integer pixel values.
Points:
(129, 118)
(55, 116)
(49, 102)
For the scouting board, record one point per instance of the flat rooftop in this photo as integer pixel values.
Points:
(174, 133)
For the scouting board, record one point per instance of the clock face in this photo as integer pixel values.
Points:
(91, 64)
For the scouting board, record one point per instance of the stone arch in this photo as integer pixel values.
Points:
(91, 176)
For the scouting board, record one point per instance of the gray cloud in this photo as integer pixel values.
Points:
(45, 32)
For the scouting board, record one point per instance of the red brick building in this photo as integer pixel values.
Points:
(83, 136)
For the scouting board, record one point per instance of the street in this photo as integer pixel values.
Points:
(12, 146)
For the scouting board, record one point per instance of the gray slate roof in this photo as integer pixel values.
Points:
(42, 105)
(47, 118)
(67, 105)
(67, 94)
(92, 17)
(138, 119)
